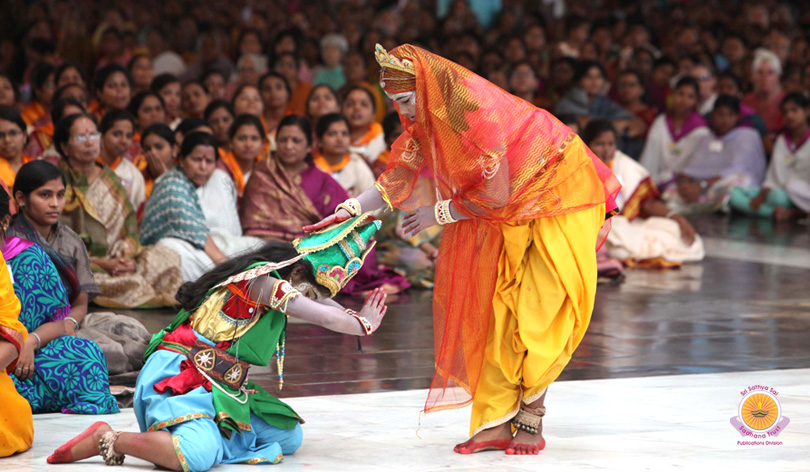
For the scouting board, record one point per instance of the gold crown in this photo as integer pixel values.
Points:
(388, 61)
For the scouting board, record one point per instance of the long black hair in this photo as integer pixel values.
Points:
(191, 294)
(34, 175)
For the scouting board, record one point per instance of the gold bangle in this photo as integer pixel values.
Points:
(384, 196)
(442, 212)
(351, 205)
(364, 323)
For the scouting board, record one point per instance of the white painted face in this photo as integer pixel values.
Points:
(406, 102)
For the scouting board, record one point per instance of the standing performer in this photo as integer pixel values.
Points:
(522, 200)
(194, 404)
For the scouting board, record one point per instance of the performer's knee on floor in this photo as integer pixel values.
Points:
(292, 442)
(199, 444)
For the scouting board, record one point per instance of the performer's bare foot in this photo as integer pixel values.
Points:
(492, 439)
(82, 446)
(526, 443)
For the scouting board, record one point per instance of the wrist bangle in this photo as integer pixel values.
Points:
(368, 329)
(351, 205)
(39, 341)
(75, 323)
(442, 212)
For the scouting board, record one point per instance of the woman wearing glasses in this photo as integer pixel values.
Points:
(97, 208)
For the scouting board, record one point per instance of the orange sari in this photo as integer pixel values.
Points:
(501, 161)
(7, 174)
(16, 421)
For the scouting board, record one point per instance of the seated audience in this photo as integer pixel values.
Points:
(646, 233)
(275, 92)
(97, 208)
(112, 90)
(12, 141)
(730, 156)
(288, 192)
(195, 97)
(160, 152)
(367, 138)
(168, 87)
(334, 155)
(37, 112)
(675, 135)
(219, 116)
(192, 210)
(247, 137)
(55, 372)
(785, 194)
(117, 135)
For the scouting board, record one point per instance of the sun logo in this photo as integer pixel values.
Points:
(759, 411)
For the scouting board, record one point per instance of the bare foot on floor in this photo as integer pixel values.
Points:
(82, 446)
(526, 443)
(496, 438)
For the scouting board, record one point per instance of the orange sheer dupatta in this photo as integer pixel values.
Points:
(499, 159)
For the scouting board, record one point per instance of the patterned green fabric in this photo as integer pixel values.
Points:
(174, 211)
(338, 252)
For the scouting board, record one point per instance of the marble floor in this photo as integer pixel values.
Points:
(654, 423)
(652, 386)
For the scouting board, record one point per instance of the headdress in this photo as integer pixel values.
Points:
(336, 253)
(396, 75)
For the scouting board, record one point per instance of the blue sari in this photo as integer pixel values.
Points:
(70, 372)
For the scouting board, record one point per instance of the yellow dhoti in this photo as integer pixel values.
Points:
(544, 297)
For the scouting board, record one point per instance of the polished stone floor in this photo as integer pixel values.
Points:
(664, 423)
(665, 352)
(744, 308)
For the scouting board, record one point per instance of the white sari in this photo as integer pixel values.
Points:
(218, 202)
(648, 242)
(665, 154)
(790, 170)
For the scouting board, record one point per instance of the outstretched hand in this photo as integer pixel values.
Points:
(418, 220)
(339, 217)
(374, 308)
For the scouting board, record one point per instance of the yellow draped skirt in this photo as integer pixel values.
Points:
(16, 421)
(544, 296)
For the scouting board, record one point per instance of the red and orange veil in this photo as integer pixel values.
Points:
(500, 159)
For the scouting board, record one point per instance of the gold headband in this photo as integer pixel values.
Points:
(387, 61)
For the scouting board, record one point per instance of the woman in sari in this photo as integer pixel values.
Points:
(785, 194)
(192, 210)
(674, 136)
(247, 137)
(169, 89)
(12, 141)
(276, 94)
(55, 372)
(193, 401)
(646, 234)
(288, 191)
(160, 152)
(322, 100)
(334, 156)
(147, 108)
(37, 112)
(112, 90)
(40, 140)
(729, 156)
(39, 191)
(97, 208)
(219, 115)
(367, 138)
(522, 201)
(195, 99)
(117, 129)
(16, 421)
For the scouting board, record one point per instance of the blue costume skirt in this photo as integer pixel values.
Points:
(190, 420)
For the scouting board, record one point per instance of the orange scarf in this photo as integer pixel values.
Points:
(321, 163)
(32, 112)
(7, 174)
(374, 130)
(112, 166)
(229, 159)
